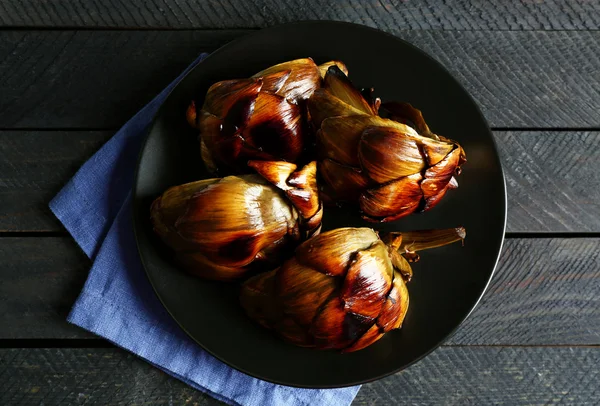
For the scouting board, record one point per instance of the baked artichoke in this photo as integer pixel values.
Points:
(391, 167)
(343, 289)
(224, 228)
(259, 118)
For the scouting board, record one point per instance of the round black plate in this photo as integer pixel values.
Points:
(448, 282)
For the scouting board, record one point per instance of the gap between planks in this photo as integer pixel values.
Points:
(102, 343)
(183, 29)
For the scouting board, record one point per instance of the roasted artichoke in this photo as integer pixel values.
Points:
(390, 167)
(343, 289)
(260, 118)
(224, 228)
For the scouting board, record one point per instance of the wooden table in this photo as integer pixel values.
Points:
(73, 71)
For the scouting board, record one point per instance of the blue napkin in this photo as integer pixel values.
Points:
(117, 301)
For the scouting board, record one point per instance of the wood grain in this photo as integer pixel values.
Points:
(40, 279)
(102, 376)
(492, 376)
(99, 79)
(450, 375)
(384, 14)
(553, 177)
(545, 291)
(34, 166)
(91, 79)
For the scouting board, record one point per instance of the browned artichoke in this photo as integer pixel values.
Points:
(391, 167)
(224, 228)
(344, 289)
(260, 118)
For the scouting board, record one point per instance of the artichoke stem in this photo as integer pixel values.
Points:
(408, 243)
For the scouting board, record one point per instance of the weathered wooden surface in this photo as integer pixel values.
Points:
(552, 179)
(103, 376)
(533, 67)
(34, 166)
(545, 291)
(383, 14)
(98, 79)
(91, 79)
(450, 375)
(40, 279)
(563, 197)
(493, 376)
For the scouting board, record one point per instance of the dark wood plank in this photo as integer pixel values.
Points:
(34, 167)
(492, 375)
(41, 278)
(385, 14)
(450, 375)
(545, 291)
(87, 79)
(98, 79)
(101, 376)
(553, 178)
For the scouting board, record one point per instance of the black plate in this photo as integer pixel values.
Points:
(448, 281)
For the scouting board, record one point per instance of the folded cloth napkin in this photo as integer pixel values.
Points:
(117, 301)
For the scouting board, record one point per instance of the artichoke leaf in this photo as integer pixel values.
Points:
(323, 104)
(368, 280)
(328, 255)
(302, 291)
(275, 127)
(395, 306)
(393, 200)
(346, 182)
(221, 96)
(325, 66)
(338, 84)
(387, 154)
(303, 79)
